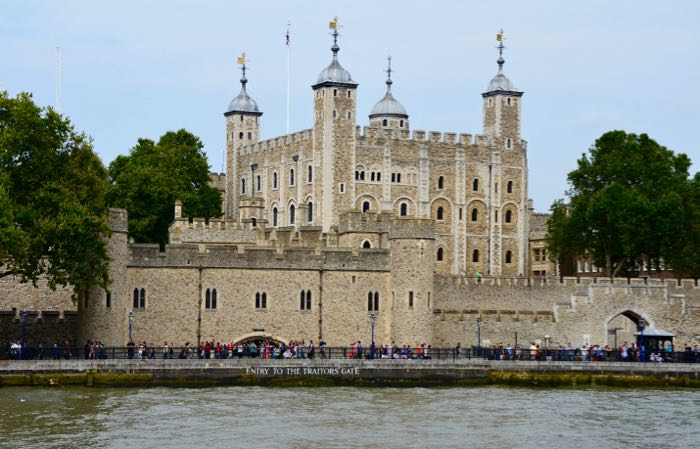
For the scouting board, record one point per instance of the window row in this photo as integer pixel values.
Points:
(507, 218)
(475, 186)
(507, 259)
(292, 217)
(372, 176)
(321, 93)
(275, 180)
(385, 122)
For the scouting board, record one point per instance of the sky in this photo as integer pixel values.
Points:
(133, 69)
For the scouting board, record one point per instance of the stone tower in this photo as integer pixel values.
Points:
(335, 95)
(507, 215)
(242, 128)
(388, 113)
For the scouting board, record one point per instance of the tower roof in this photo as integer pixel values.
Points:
(388, 105)
(500, 83)
(334, 73)
(243, 103)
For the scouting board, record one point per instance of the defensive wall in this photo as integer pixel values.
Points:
(317, 372)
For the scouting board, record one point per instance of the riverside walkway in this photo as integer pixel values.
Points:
(320, 372)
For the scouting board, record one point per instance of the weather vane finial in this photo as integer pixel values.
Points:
(500, 37)
(241, 60)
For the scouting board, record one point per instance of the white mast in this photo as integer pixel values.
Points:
(289, 72)
(58, 79)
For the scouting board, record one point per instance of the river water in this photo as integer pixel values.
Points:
(256, 417)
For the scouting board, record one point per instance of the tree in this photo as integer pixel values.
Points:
(53, 210)
(153, 176)
(631, 204)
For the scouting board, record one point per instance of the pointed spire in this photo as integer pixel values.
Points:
(334, 26)
(241, 61)
(389, 82)
(500, 37)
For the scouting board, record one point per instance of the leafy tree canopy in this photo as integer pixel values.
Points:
(631, 202)
(153, 176)
(53, 210)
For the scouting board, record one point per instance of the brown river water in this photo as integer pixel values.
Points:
(257, 417)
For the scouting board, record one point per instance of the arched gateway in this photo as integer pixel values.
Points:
(621, 326)
(259, 337)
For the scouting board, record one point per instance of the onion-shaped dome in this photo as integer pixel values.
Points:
(335, 73)
(388, 106)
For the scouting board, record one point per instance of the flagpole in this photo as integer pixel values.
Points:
(289, 73)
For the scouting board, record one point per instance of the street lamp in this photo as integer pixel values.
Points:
(478, 336)
(23, 316)
(131, 316)
(372, 317)
(642, 323)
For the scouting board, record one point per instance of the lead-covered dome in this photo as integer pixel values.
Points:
(388, 106)
(334, 73)
(243, 103)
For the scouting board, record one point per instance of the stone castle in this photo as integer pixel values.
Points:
(330, 229)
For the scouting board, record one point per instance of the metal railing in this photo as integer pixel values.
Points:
(513, 354)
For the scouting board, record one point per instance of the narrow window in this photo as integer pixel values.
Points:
(376, 301)
(292, 214)
(334, 114)
(349, 94)
(362, 175)
(404, 210)
(393, 177)
(371, 176)
(398, 177)
(440, 254)
(335, 92)
(142, 299)
(254, 221)
(475, 214)
(342, 188)
(274, 180)
(509, 143)
(264, 300)
(274, 216)
(367, 244)
(365, 207)
(400, 123)
(135, 304)
(385, 122)
(379, 176)
(441, 182)
(257, 300)
(509, 216)
(495, 216)
(213, 299)
(291, 177)
(460, 213)
(259, 185)
(509, 187)
(310, 212)
(309, 174)
(349, 115)
(240, 135)
(250, 136)
(308, 300)
(243, 186)
(495, 187)
(108, 299)
(370, 303)
(509, 256)
(207, 299)
(357, 175)
(508, 101)
(302, 300)
(410, 299)
(241, 117)
(475, 255)
(475, 185)
(440, 213)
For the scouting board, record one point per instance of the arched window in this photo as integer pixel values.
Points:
(376, 301)
(371, 176)
(475, 185)
(254, 221)
(385, 122)
(400, 123)
(135, 304)
(292, 214)
(310, 212)
(142, 299)
(365, 206)
(475, 255)
(357, 175)
(207, 300)
(379, 176)
(240, 135)
(475, 214)
(441, 182)
(440, 213)
(213, 299)
(243, 186)
(274, 180)
(509, 144)
(274, 216)
(261, 300)
(509, 256)
(362, 175)
(302, 300)
(308, 299)
(257, 300)
(509, 216)
(370, 302)
(366, 244)
(509, 187)
(241, 117)
(440, 254)
(403, 210)
(335, 92)
(398, 177)
(291, 177)
(309, 174)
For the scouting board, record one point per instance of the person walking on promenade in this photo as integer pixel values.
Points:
(458, 351)
(359, 349)
(312, 349)
(130, 349)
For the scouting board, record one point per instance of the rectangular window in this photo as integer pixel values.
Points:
(108, 299)
(410, 299)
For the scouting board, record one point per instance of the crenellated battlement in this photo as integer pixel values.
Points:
(235, 256)
(370, 135)
(539, 282)
(277, 142)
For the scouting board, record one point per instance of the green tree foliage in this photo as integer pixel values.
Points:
(153, 176)
(631, 201)
(53, 210)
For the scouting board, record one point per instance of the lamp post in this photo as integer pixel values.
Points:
(131, 316)
(372, 317)
(478, 336)
(23, 316)
(642, 323)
